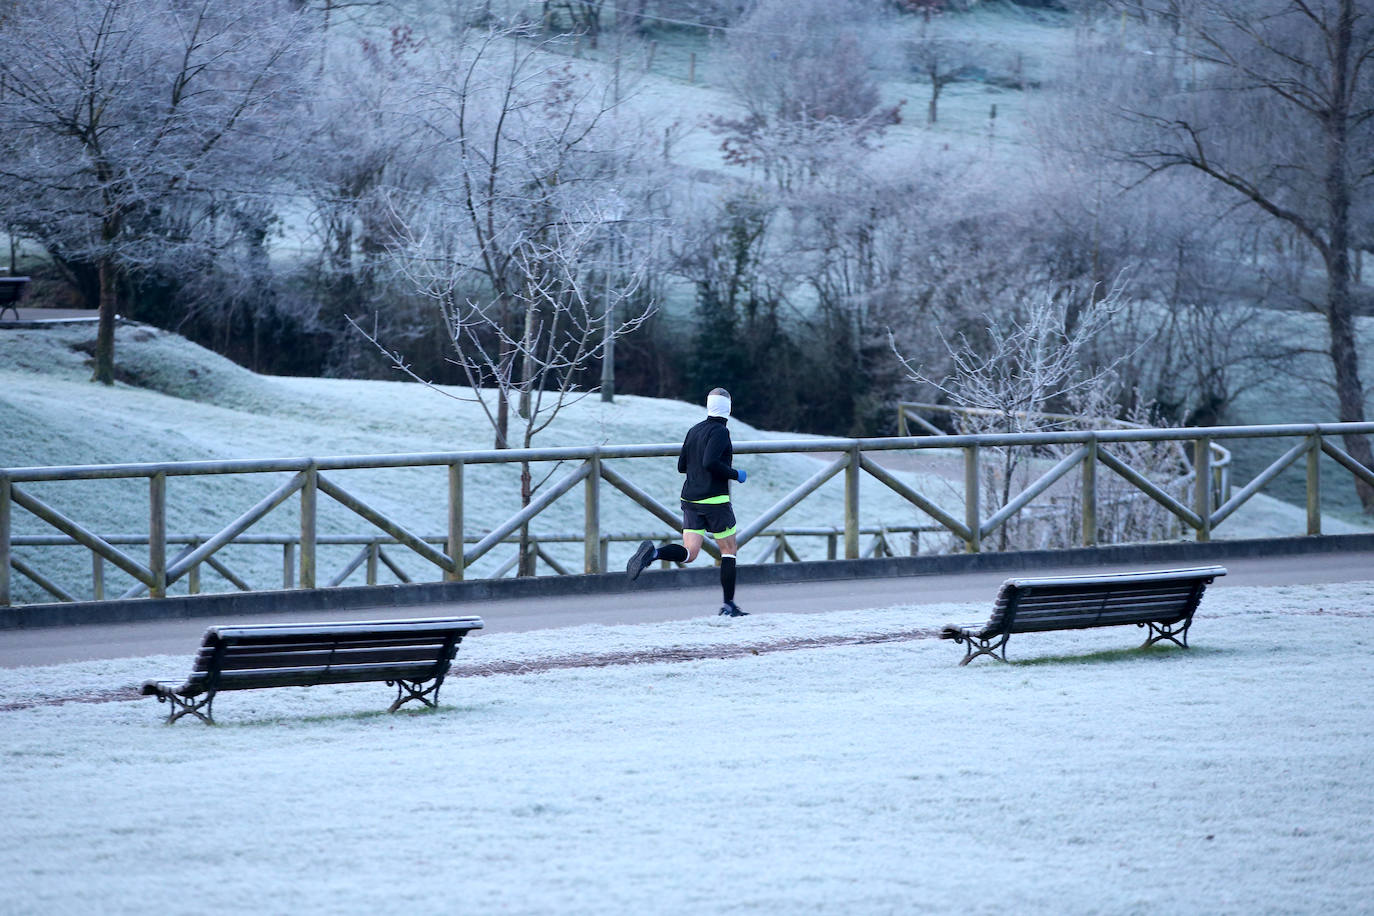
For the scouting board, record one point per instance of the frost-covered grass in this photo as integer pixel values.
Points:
(1085, 777)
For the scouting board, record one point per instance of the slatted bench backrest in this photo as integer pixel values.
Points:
(1076, 602)
(295, 655)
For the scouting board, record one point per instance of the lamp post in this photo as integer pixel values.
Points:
(608, 340)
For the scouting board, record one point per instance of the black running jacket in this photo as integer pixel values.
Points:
(705, 459)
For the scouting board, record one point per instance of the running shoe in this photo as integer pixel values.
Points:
(730, 609)
(643, 556)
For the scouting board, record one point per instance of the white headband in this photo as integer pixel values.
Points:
(717, 405)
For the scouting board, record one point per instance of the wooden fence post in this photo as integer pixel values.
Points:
(1202, 462)
(591, 528)
(157, 533)
(851, 505)
(455, 522)
(1314, 485)
(971, 497)
(288, 564)
(1090, 494)
(309, 493)
(193, 574)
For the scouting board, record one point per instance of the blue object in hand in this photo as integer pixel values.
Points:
(743, 474)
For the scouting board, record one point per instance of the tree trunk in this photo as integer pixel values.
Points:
(502, 417)
(528, 366)
(104, 338)
(1339, 312)
(1345, 360)
(591, 19)
(527, 557)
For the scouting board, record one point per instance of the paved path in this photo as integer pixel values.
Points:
(54, 645)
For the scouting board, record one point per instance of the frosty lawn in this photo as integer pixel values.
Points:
(1084, 777)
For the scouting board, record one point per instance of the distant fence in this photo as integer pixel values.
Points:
(450, 555)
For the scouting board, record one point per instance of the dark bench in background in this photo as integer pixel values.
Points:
(11, 291)
(407, 653)
(1162, 600)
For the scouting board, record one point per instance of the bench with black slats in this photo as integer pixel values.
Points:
(406, 653)
(1163, 600)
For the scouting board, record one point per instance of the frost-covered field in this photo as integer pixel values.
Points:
(1085, 777)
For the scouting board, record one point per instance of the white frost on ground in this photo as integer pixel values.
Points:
(1085, 777)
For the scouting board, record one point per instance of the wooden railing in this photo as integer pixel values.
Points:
(909, 414)
(453, 553)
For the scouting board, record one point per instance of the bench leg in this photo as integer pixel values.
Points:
(1174, 632)
(182, 706)
(414, 690)
(975, 646)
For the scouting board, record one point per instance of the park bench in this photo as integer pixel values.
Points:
(11, 291)
(406, 653)
(1162, 600)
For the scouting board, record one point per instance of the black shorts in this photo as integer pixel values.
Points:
(715, 519)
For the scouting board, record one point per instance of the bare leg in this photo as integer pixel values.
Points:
(692, 542)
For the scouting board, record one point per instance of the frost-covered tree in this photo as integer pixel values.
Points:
(529, 239)
(360, 149)
(801, 71)
(583, 16)
(1273, 101)
(1023, 368)
(941, 57)
(125, 118)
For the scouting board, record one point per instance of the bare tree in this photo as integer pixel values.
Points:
(1274, 101)
(527, 240)
(1026, 362)
(809, 98)
(359, 148)
(585, 16)
(119, 112)
(940, 57)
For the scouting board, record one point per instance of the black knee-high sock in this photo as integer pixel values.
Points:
(675, 552)
(727, 577)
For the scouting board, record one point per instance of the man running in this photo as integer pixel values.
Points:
(705, 459)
